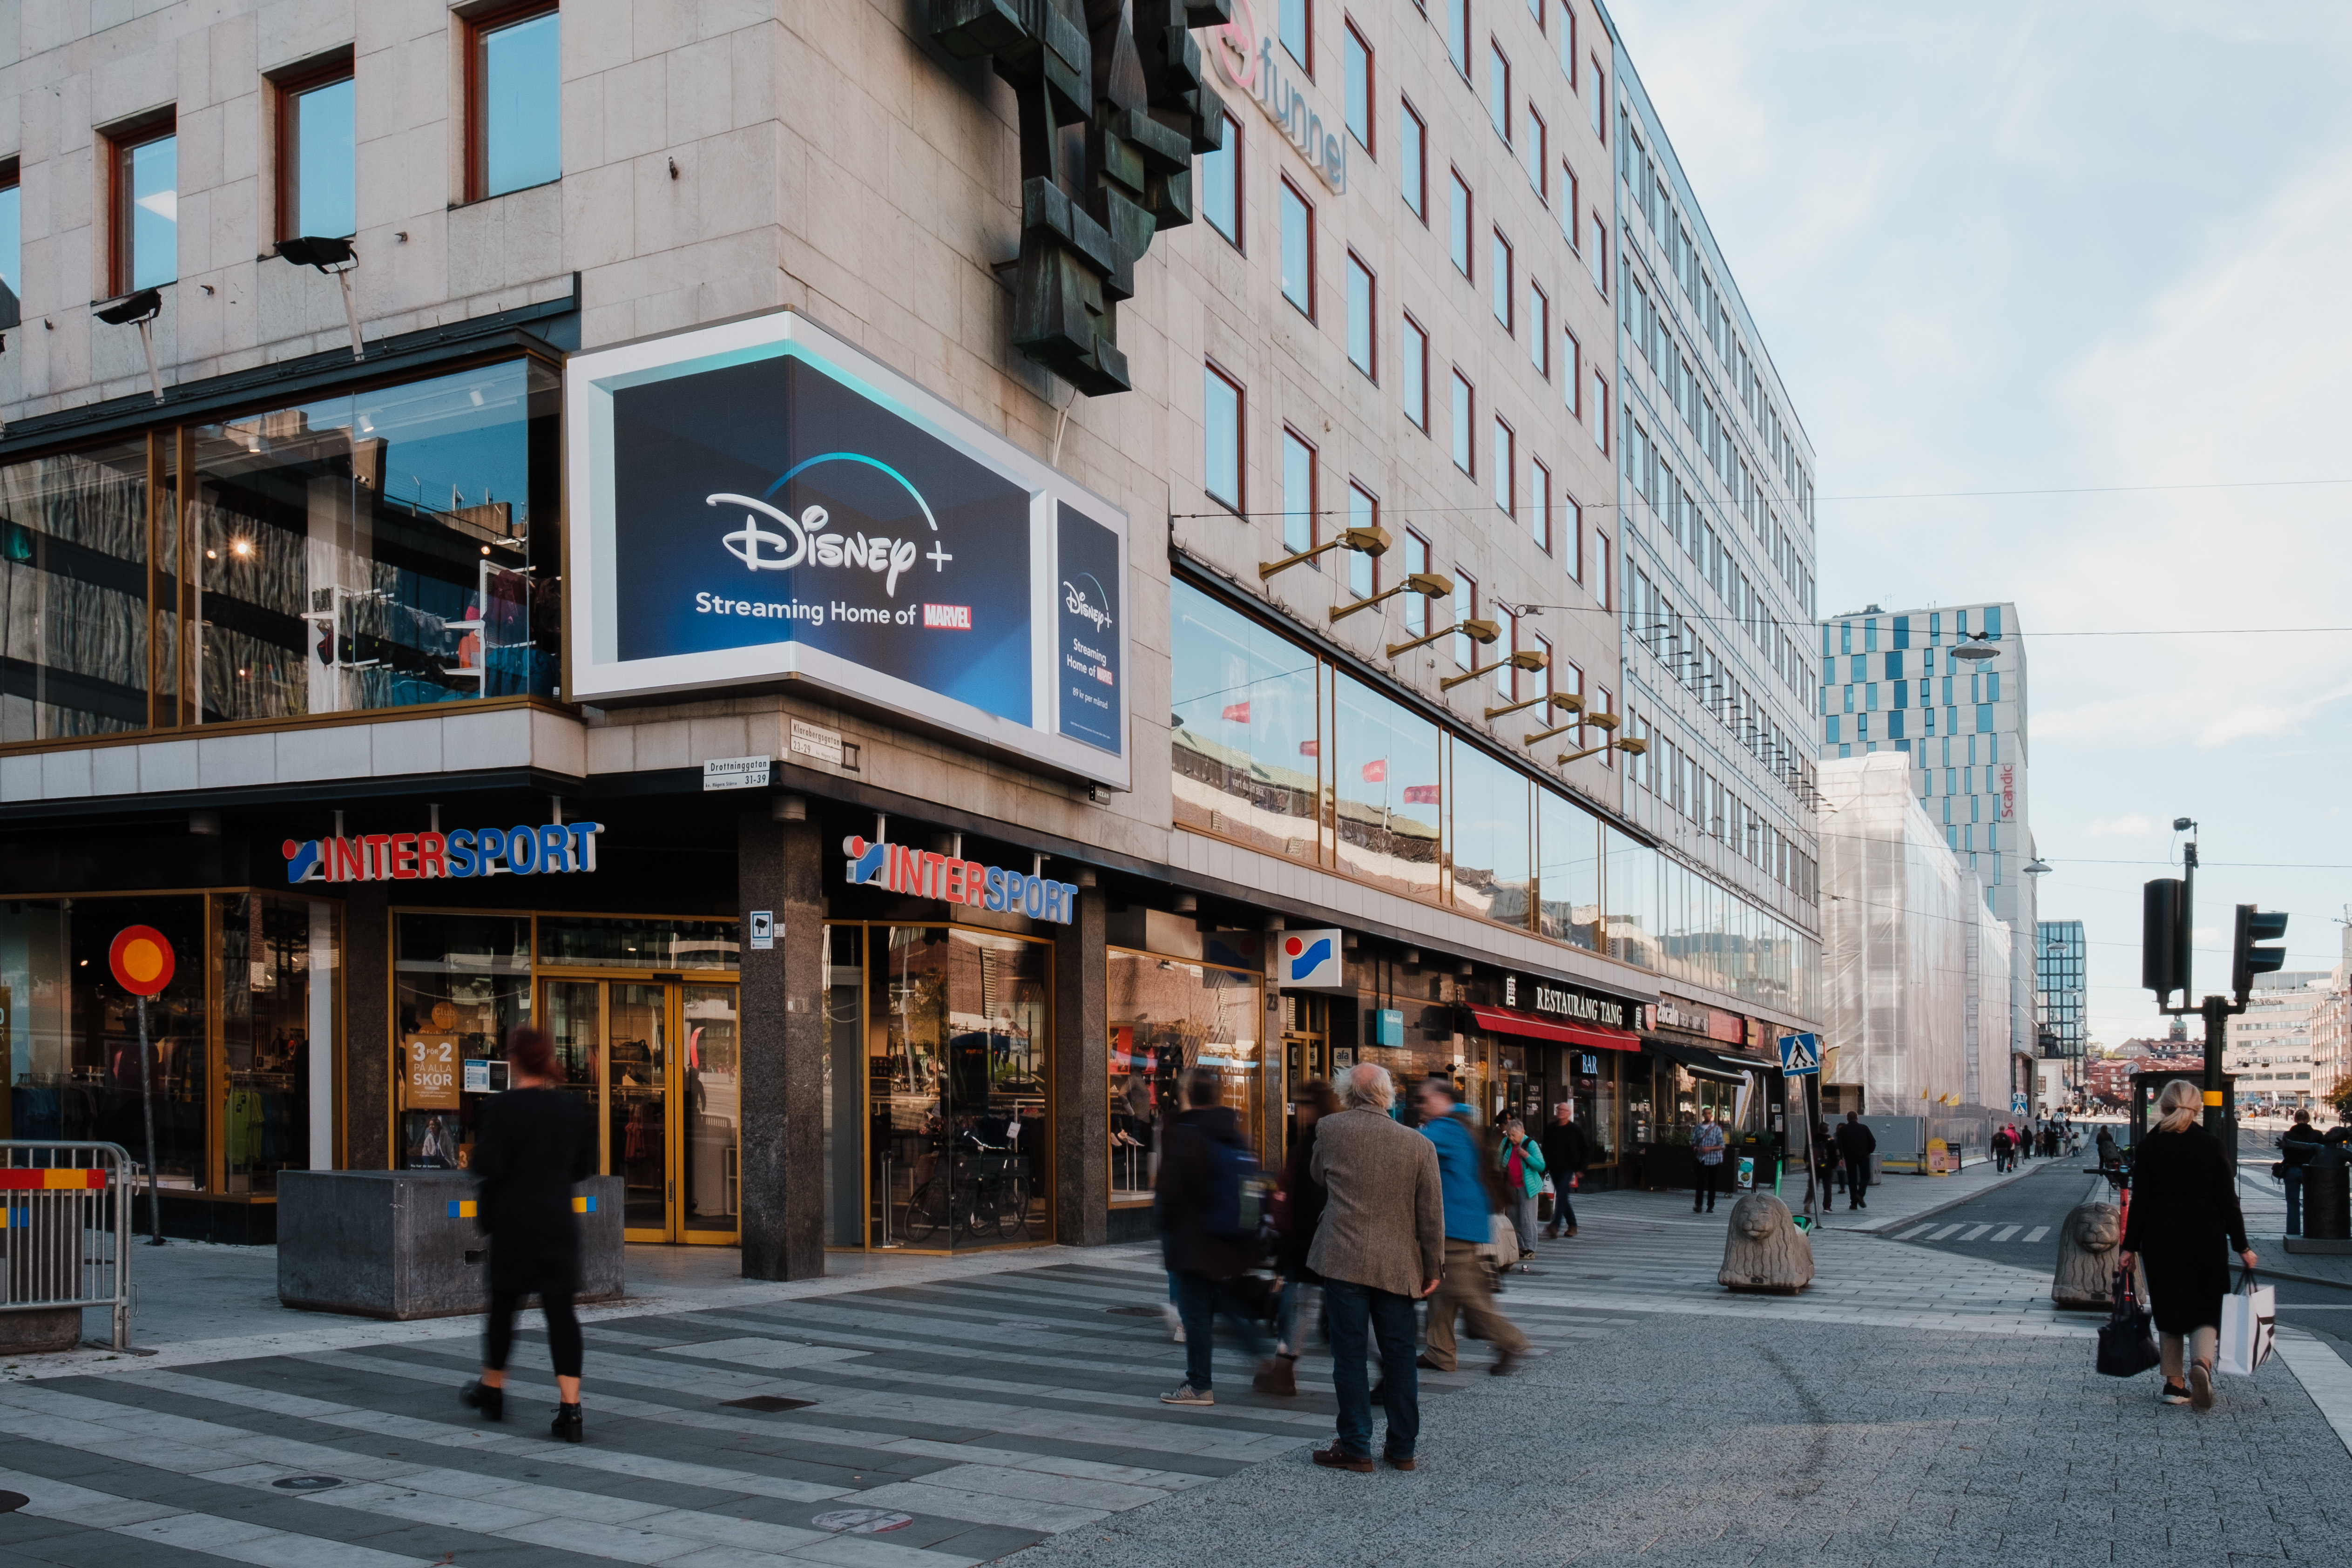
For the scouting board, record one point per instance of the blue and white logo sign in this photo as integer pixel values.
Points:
(758, 502)
(2018, 1105)
(1801, 1054)
(1309, 961)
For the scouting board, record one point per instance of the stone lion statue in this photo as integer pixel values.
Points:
(1765, 1251)
(2086, 1256)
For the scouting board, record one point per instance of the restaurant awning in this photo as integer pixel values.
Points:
(1535, 1027)
(1702, 1061)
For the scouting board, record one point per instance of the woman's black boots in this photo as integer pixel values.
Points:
(490, 1402)
(566, 1426)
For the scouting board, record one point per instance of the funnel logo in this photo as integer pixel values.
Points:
(1310, 961)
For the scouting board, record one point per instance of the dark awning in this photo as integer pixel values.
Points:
(1535, 1027)
(1702, 1061)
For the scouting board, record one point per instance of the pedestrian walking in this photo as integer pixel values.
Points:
(2004, 1144)
(2297, 1144)
(2184, 1207)
(1567, 1151)
(1832, 1164)
(1468, 1176)
(1522, 1164)
(1379, 1247)
(1707, 1155)
(1297, 1210)
(2107, 1147)
(532, 1143)
(1856, 1143)
(1205, 1239)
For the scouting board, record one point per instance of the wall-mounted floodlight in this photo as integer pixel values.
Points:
(1372, 541)
(1629, 745)
(1566, 699)
(139, 311)
(1481, 631)
(1531, 661)
(1428, 585)
(336, 259)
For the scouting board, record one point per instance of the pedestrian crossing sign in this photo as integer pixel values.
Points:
(1801, 1054)
(2017, 1104)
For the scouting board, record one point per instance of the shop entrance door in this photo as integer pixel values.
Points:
(660, 1064)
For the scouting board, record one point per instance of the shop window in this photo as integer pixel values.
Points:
(578, 942)
(513, 100)
(74, 633)
(1245, 749)
(1630, 898)
(1489, 845)
(277, 986)
(1385, 790)
(146, 207)
(460, 982)
(1165, 1016)
(1567, 870)
(71, 1040)
(958, 1040)
(317, 154)
(391, 548)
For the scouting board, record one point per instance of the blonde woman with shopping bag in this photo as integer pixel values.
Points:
(2184, 1208)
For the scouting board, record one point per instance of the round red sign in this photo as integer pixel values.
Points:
(141, 959)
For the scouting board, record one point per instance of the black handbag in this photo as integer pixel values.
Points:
(2126, 1341)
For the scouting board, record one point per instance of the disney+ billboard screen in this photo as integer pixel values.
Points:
(765, 502)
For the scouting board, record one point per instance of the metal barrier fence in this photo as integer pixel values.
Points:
(65, 1229)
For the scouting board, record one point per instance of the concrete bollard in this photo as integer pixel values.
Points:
(1765, 1251)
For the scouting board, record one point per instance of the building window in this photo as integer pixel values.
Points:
(1464, 458)
(1540, 504)
(1599, 94)
(1571, 524)
(12, 247)
(1363, 571)
(514, 99)
(1600, 411)
(146, 205)
(1506, 643)
(1568, 42)
(1412, 159)
(1608, 705)
(1297, 32)
(317, 155)
(1499, 284)
(1220, 184)
(1415, 353)
(1568, 203)
(1540, 329)
(1362, 312)
(1297, 250)
(1356, 56)
(1539, 159)
(1298, 528)
(1599, 255)
(1507, 470)
(1571, 367)
(1458, 237)
(1466, 610)
(1457, 33)
(1600, 569)
(1498, 89)
(1222, 446)
(1416, 563)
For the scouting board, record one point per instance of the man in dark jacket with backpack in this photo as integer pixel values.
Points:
(1206, 1202)
(1855, 1144)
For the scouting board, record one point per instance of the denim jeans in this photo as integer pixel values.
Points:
(1352, 1309)
(1293, 1314)
(1563, 1213)
(2293, 1181)
(1199, 1301)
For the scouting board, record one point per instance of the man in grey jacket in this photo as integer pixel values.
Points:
(1379, 1247)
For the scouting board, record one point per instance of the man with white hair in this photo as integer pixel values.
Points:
(1381, 1245)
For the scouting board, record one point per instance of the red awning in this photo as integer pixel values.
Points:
(1510, 1021)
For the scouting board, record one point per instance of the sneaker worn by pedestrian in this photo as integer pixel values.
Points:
(566, 1427)
(2201, 1386)
(1277, 1376)
(1185, 1393)
(1337, 1459)
(2172, 1394)
(490, 1402)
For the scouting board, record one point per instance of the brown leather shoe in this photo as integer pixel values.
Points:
(1407, 1463)
(1505, 1364)
(1277, 1376)
(1334, 1458)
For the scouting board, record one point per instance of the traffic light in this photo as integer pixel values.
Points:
(2246, 959)
(2164, 939)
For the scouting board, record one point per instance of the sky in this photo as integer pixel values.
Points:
(2073, 246)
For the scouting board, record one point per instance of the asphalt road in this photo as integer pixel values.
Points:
(2017, 1224)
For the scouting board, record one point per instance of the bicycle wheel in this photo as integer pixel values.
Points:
(923, 1211)
(1013, 1218)
(980, 1218)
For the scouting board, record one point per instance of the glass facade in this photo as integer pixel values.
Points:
(1166, 1015)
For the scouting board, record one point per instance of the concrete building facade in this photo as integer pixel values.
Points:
(2269, 1046)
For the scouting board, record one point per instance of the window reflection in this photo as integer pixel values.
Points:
(1166, 1015)
(1632, 900)
(73, 594)
(1386, 798)
(277, 979)
(1245, 742)
(1570, 872)
(1489, 847)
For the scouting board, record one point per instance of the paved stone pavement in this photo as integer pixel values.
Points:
(1912, 1404)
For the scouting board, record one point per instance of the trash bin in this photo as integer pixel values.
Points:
(2327, 1199)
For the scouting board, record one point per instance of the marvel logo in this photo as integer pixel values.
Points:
(947, 618)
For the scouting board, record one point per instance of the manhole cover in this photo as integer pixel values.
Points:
(862, 1520)
(305, 1483)
(768, 1402)
(11, 1501)
(1133, 1311)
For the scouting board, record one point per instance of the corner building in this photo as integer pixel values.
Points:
(774, 594)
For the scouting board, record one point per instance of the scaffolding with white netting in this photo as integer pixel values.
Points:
(1912, 1020)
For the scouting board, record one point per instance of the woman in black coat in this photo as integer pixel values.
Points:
(532, 1145)
(2184, 1207)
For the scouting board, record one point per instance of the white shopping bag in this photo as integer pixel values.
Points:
(2248, 1323)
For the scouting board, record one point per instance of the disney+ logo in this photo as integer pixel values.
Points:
(803, 540)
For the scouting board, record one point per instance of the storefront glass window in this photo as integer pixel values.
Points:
(1244, 744)
(1491, 833)
(1568, 872)
(845, 1073)
(1385, 791)
(73, 594)
(1631, 894)
(958, 1042)
(578, 942)
(459, 984)
(377, 550)
(277, 985)
(71, 1037)
(1166, 1015)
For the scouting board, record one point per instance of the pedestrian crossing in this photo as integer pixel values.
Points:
(1932, 1232)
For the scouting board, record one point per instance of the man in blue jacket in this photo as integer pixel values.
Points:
(1465, 1171)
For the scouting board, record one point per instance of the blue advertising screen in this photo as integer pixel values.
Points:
(1086, 617)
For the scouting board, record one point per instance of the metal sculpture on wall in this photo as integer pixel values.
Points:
(1114, 105)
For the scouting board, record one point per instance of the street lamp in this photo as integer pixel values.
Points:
(1975, 648)
(2037, 867)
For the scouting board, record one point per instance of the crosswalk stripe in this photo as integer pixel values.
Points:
(189, 1531)
(2005, 1232)
(2037, 1233)
(1975, 1232)
(1916, 1230)
(1940, 1234)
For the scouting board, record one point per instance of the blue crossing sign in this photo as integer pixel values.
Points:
(1801, 1056)
(2017, 1103)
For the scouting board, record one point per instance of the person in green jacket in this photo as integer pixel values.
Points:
(1522, 1164)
